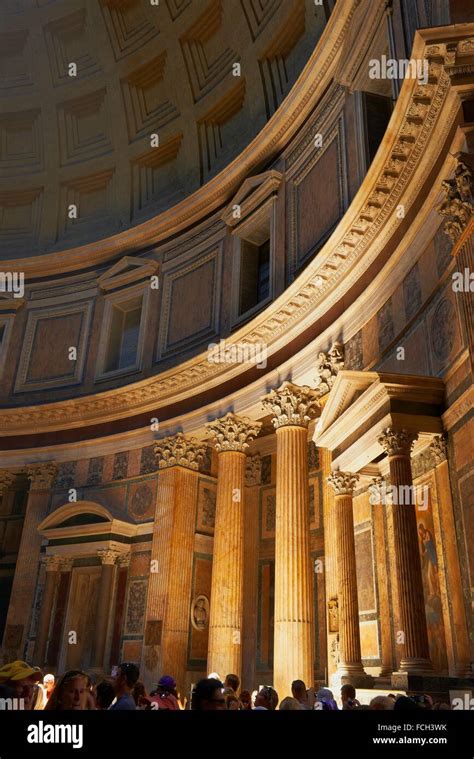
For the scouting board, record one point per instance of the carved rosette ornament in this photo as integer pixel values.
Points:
(292, 405)
(439, 449)
(6, 480)
(328, 367)
(397, 442)
(343, 482)
(42, 476)
(253, 470)
(233, 433)
(458, 205)
(179, 450)
(107, 556)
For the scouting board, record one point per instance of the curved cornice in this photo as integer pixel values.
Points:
(415, 142)
(285, 122)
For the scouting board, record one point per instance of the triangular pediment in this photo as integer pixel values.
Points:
(129, 269)
(252, 193)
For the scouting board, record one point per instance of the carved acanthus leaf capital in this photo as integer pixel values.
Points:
(343, 482)
(107, 556)
(439, 449)
(458, 204)
(292, 405)
(6, 480)
(397, 442)
(178, 450)
(327, 368)
(66, 563)
(123, 559)
(52, 563)
(253, 470)
(233, 433)
(42, 476)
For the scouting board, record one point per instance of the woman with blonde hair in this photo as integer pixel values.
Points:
(71, 692)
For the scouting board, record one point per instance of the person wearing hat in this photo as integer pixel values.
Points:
(165, 695)
(17, 680)
(48, 682)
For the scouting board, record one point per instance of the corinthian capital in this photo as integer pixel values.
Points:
(52, 563)
(179, 450)
(233, 433)
(42, 476)
(107, 556)
(291, 405)
(343, 482)
(439, 449)
(6, 480)
(397, 442)
(458, 205)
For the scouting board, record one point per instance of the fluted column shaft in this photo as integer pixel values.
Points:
(177, 614)
(330, 556)
(103, 607)
(294, 614)
(226, 613)
(416, 653)
(51, 582)
(24, 582)
(349, 635)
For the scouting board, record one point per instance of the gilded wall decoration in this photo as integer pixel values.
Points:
(412, 292)
(206, 513)
(66, 475)
(268, 512)
(353, 358)
(266, 470)
(120, 465)
(136, 607)
(147, 460)
(385, 325)
(94, 474)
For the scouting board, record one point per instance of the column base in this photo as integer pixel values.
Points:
(436, 685)
(352, 675)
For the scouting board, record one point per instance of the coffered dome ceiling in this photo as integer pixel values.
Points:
(84, 84)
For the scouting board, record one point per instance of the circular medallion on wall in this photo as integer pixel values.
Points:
(200, 612)
(141, 501)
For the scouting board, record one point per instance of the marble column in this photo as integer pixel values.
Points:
(413, 635)
(251, 545)
(292, 407)
(387, 591)
(53, 566)
(123, 562)
(330, 565)
(41, 478)
(54, 653)
(181, 456)
(232, 435)
(350, 667)
(108, 559)
(454, 612)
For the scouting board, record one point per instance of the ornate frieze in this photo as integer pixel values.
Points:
(233, 433)
(179, 450)
(328, 366)
(439, 449)
(6, 480)
(343, 483)
(457, 207)
(42, 476)
(397, 442)
(292, 405)
(253, 470)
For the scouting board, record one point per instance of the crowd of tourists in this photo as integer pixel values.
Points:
(25, 687)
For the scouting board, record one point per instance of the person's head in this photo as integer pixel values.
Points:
(267, 697)
(246, 699)
(325, 700)
(405, 704)
(298, 689)
(231, 700)
(20, 679)
(290, 704)
(138, 691)
(348, 693)
(382, 704)
(125, 677)
(104, 694)
(423, 701)
(48, 682)
(208, 695)
(232, 681)
(70, 693)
